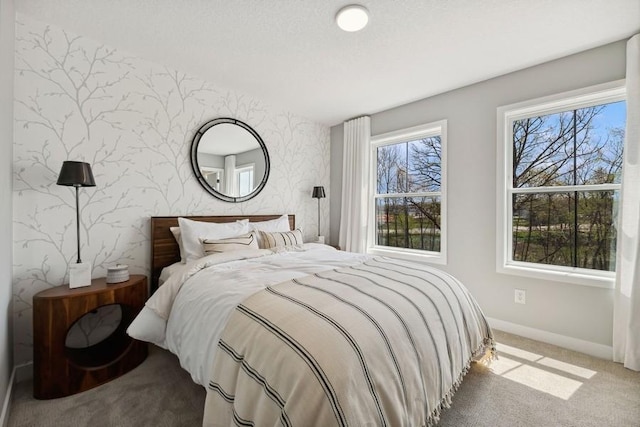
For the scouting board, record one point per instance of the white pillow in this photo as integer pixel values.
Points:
(278, 224)
(193, 232)
(178, 236)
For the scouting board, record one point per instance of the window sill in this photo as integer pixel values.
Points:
(576, 276)
(409, 254)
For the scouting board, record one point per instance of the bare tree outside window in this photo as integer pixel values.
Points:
(408, 200)
(566, 176)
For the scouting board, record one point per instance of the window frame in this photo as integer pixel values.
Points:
(437, 128)
(590, 96)
(206, 170)
(236, 176)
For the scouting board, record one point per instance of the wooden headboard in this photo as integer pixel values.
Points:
(164, 248)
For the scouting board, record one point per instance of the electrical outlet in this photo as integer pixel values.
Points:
(520, 296)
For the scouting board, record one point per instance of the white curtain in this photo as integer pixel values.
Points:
(230, 175)
(626, 317)
(355, 185)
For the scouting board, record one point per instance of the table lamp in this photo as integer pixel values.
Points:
(77, 174)
(318, 193)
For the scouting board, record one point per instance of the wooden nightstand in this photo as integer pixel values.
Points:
(60, 371)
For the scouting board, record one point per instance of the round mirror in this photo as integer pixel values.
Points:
(229, 159)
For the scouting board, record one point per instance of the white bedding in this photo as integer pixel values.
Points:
(168, 272)
(193, 334)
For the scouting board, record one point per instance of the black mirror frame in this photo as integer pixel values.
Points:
(196, 170)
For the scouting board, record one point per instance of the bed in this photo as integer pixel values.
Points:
(303, 334)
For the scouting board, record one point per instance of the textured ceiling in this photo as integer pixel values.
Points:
(290, 53)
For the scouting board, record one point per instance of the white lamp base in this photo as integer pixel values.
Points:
(79, 275)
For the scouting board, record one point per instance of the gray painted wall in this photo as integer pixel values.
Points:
(572, 310)
(257, 158)
(7, 27)
(210, 160)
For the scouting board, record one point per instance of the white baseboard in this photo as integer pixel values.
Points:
(587, 347)
(4, 416)
(19, 373)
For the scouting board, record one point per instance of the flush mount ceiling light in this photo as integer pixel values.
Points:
(352, 18)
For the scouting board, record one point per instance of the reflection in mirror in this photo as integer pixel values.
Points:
(229, 159)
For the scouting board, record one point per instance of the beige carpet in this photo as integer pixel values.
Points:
(156, 393)
(545, 385)
(532, 384)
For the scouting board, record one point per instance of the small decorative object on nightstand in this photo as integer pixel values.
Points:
(59, 370)
(117, 273)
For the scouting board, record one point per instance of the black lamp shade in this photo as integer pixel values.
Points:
(76, 174)
(318, 193)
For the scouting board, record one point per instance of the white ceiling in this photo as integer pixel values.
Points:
(290, 53)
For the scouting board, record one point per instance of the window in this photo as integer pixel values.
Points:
(560, 179)
(409, 210)
(244, 180)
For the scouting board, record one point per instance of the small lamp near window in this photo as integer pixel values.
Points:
(318, 193)
(77, 174)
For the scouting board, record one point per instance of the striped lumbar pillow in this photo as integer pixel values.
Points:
(246, 241)
(280, 238)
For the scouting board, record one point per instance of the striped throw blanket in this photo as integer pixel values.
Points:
(383, 343)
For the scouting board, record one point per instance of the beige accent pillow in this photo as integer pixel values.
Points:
(238, 243)
(284, 238)
(278, 224)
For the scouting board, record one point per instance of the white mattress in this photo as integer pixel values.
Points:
(198, 315)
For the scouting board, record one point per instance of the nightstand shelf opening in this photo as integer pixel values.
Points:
(109, 349)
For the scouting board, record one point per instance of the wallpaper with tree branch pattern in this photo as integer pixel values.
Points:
(133, 120)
